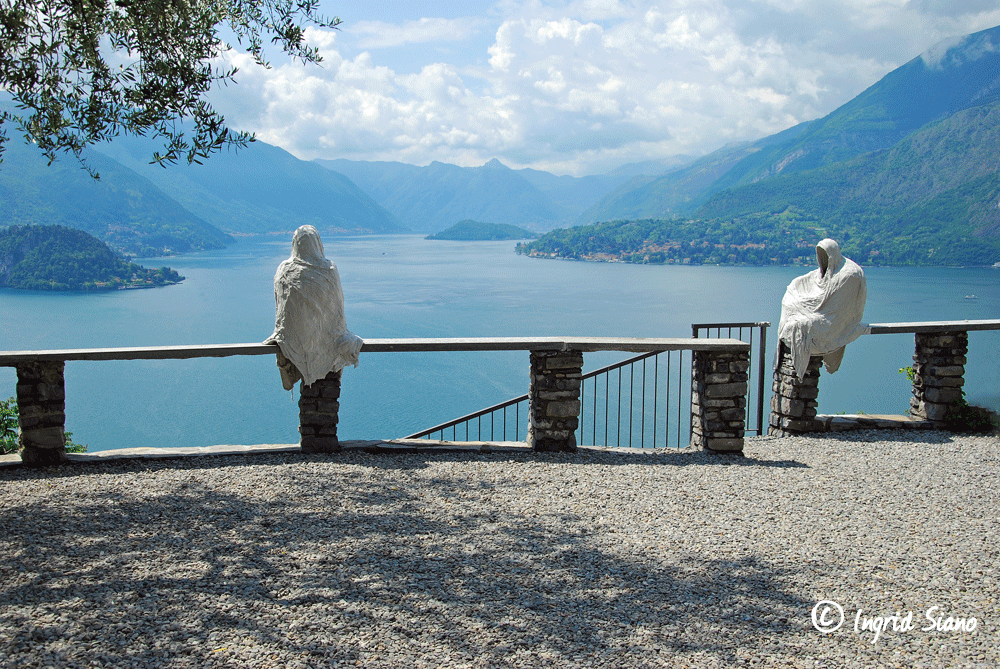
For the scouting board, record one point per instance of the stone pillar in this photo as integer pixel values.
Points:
(41, 403)
(554, 400)
(939, 374)
(793, 404)
(319, 412)
(719, 399)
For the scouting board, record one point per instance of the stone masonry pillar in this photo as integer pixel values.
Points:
(41, 402)
(939, 374)
(319, 412)
(554, 400)
(719, 399)
(793, 404)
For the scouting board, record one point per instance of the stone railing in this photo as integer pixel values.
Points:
(939, 359)
(719, 373)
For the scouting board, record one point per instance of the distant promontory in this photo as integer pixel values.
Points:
(52, 257)
(474, 231)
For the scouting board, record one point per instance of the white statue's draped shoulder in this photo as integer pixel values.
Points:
(310, 328)
(821, 311)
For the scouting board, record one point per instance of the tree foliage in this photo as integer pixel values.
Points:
(85, 71)
(51, 257)
(791, 240)
(469, 230)
(10, 432)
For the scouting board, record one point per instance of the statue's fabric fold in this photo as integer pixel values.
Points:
(310, 328)
(821, 311)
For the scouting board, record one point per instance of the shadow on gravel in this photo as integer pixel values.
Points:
(411, 459)
(326, 574)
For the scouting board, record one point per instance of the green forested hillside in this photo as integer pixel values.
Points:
(123, 209)
(53, 257)
(907, 172)
(683, 241)
(785, 235)
(469, 230)
(931, 199)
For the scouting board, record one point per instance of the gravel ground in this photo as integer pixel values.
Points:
(465, 559)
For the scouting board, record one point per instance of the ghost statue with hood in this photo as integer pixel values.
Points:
(821, 311)
(309, 324)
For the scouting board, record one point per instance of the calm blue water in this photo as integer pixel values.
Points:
(409, 287)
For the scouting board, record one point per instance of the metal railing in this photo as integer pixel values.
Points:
(643, 401)
(745, 332)
(641, 393)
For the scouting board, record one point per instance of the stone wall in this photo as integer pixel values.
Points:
(939, 374)
(554, 400)
(718, 399)
(319, 412)
(41, 402)
(793, 404)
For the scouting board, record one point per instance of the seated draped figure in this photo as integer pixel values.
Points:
(821, 311)
(309, 324)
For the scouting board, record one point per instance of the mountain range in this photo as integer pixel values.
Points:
(904, 172)
(147, 210)
(944, 81)
(436, 196)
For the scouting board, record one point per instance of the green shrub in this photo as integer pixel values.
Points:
(9, 430)
(970, 419)
(964, 417)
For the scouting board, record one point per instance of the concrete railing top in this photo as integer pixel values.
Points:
(587, 344)
(934, 326)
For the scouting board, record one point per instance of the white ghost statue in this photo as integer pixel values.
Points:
(309, 324)
(821, 311)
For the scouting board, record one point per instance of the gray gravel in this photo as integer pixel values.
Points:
(674, 559)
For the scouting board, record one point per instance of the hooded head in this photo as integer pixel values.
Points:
(307, 247)
(829, 258)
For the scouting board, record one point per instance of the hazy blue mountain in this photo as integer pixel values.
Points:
(434, 197)
(951, 77)
(645, 196)
(652, 168)
(260, 188)
(123, 209)
(572, 194)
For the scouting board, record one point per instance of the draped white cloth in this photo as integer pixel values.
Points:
(821, 311)
(310, 328)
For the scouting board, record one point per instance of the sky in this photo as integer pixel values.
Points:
(577, 86)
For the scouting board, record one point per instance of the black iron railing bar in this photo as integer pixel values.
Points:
(642, 413)
(618, 422)
(666, 408)
(760, 381)
(631, 402)
(516, 400)
(607, 400)
(680, 377)
(656, 385)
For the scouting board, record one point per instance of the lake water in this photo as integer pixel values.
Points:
(405, 286)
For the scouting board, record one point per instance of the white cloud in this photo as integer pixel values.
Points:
(378, 34)
(584, 85)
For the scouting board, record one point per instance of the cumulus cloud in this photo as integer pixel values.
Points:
(581, 86)
(378, 34)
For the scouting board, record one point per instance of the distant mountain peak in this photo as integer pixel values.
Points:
(957, 51)
(495, 165)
